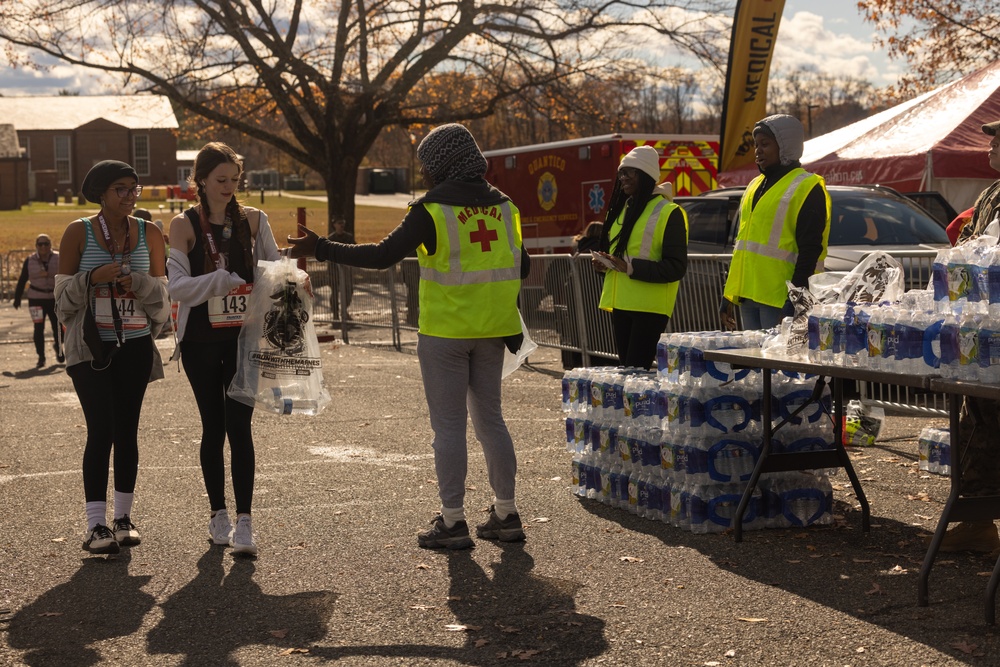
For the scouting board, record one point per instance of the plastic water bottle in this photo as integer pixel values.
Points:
(968, 345)
(989, 350)
(806, 499)
(856, 335)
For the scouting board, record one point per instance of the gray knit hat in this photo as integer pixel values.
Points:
(450, 153)
(788, 132)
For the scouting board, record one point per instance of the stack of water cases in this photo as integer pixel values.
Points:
(679, 445)
(935, 450)
(951, 329)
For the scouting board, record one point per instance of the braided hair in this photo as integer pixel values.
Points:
(634, 206)
(209, 157)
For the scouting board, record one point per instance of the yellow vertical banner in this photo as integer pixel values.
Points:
(755, 30)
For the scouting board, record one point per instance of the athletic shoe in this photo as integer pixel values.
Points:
(220, 528)
(60, 357)
(242, 539)
(41, 362)
(125, 532)
(442, 537)
(101, 540)
(505, 530)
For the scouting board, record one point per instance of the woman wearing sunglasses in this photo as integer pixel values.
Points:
(115, 262)
(39, 275)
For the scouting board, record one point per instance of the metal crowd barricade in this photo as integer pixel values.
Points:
(559, 302)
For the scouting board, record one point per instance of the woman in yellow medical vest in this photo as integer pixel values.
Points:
(643, 255)
(784, 223)
(467, 236)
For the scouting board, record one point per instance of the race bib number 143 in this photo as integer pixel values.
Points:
(230, 310)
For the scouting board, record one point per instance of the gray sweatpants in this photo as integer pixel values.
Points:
(462, 377)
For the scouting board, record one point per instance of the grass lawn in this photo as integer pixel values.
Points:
(18, 229)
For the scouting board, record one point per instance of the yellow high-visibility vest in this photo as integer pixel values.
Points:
(765, 252)
(469, 286)
(645, 242)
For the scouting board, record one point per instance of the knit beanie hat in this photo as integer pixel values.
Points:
(788, 132)
(450, 153)
(101, 176)
(645, 159)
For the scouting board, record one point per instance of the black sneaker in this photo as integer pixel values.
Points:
(442, 537)
(41, 362)
(507, 530)
(125, 532)
(60, 357)
(101, 540)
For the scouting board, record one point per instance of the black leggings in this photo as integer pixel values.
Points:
(210, 368)
(111, 401)
(636, 336)
(48, 307)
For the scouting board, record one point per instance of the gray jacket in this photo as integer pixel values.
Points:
(71, 294)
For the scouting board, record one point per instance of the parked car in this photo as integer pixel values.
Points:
(863, 219)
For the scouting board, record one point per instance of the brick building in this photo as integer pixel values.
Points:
(13, 171)
(64, 136)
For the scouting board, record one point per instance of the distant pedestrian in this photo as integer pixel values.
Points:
(467, 235)
(216, 245)
(39, 273)
(112, 263)
(342, 283)
(589, 239)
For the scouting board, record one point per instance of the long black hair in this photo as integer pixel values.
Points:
(633, 206)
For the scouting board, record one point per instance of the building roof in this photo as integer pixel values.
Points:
(8, 142)
(68, 112)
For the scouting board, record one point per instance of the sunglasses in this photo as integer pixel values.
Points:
(123, 191)
(43, 243)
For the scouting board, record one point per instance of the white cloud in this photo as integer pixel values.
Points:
(804, 39)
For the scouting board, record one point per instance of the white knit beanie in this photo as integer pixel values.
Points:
(645, 159)
(788, 132)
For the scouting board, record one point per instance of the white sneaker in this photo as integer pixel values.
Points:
(220, 528)
(100, 540)
(242, 540)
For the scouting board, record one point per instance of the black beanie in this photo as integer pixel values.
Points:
(102, 175)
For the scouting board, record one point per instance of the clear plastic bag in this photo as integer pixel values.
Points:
(513, 360)
(279, 367)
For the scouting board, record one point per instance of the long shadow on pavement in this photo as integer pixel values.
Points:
(872, 577)
(515, 615)
(217, 613)
(100, 602)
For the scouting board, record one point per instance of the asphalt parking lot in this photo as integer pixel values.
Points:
(340, 579)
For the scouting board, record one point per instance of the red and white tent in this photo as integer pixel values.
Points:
(932, 142)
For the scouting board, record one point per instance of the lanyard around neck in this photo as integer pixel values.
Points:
(206, 231)
(113, 247)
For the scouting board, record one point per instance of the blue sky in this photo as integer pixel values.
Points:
(830, 36)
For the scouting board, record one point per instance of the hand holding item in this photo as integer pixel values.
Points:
(609, 262)
(106, 273)
(304, 245)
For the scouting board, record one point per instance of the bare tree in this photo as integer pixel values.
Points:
(939, 39)
(335, 74)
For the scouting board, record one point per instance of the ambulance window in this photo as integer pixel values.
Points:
(510, 162)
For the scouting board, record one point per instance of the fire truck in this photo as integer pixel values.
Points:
(561, 186)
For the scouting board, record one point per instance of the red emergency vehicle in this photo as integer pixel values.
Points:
(561, 186)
